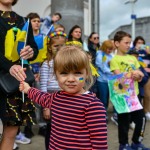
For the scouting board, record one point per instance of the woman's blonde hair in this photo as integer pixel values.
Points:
(106, 45)
(73, 58)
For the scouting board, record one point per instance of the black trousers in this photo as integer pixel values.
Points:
(47, 136)
(3, 99)
(138, 117)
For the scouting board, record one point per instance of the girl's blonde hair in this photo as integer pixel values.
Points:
(73, 58)
(106, 45)
(55, 36)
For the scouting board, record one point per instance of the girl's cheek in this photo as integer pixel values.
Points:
(81, 79)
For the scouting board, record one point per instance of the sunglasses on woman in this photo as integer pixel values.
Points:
(96, 38)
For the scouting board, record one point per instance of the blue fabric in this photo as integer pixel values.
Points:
(39, 41)
(35, 67)
(103, 66)
(103, 93)
(143, 82)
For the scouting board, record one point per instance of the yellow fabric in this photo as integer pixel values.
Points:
(12, 49)
(10, 46)
(21, 37)
(94, 70)
(143, 64)
(104, 58)
(76, 43)
(125, 63)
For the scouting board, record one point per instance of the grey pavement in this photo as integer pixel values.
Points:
(38, 141)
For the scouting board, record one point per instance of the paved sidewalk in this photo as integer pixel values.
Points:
(38, 141)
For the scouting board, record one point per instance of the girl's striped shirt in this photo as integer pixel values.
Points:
(78, 121)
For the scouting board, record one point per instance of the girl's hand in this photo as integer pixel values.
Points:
(18, 72)
(46, 113)
(26, 52)
(24, 87)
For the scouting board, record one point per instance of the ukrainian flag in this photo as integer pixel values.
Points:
(41, 42)
(13, 48)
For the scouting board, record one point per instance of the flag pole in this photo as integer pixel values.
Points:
(49, 29)
(22, 60)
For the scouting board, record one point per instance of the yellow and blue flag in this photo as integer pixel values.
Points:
(15, 40)
(22, 38)
(41, 42)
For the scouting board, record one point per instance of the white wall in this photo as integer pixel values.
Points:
(42, 7)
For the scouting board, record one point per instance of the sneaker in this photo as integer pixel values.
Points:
(125, 147)
(20, 138)
(147, 115)
(15, 147)
(139, 146)
(132, 125)
(114, 120)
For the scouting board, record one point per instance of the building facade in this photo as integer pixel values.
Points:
(142, 28)
(84, 13)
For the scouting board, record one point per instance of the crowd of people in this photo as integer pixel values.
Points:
(70, 96)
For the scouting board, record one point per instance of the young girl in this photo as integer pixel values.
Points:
(78, 117)
(122, 62)
(102, 62)
(75, 34)
(48, 82)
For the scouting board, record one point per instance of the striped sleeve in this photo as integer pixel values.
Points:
(44, 76)
(41, 98)
(96, 121)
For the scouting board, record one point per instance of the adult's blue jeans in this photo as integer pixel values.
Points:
(103, 93)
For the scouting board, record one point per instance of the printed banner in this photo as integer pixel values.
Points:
(122, 94)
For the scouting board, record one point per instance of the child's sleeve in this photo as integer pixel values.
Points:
(114, 65)
(96, 122)
(102, 65)
(41, 98)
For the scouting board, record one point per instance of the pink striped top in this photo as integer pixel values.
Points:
(78, 121)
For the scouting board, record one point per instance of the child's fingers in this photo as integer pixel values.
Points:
(21, 86)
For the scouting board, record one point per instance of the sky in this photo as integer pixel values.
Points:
(114, 13)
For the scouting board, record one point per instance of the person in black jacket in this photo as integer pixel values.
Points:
(13, 112)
